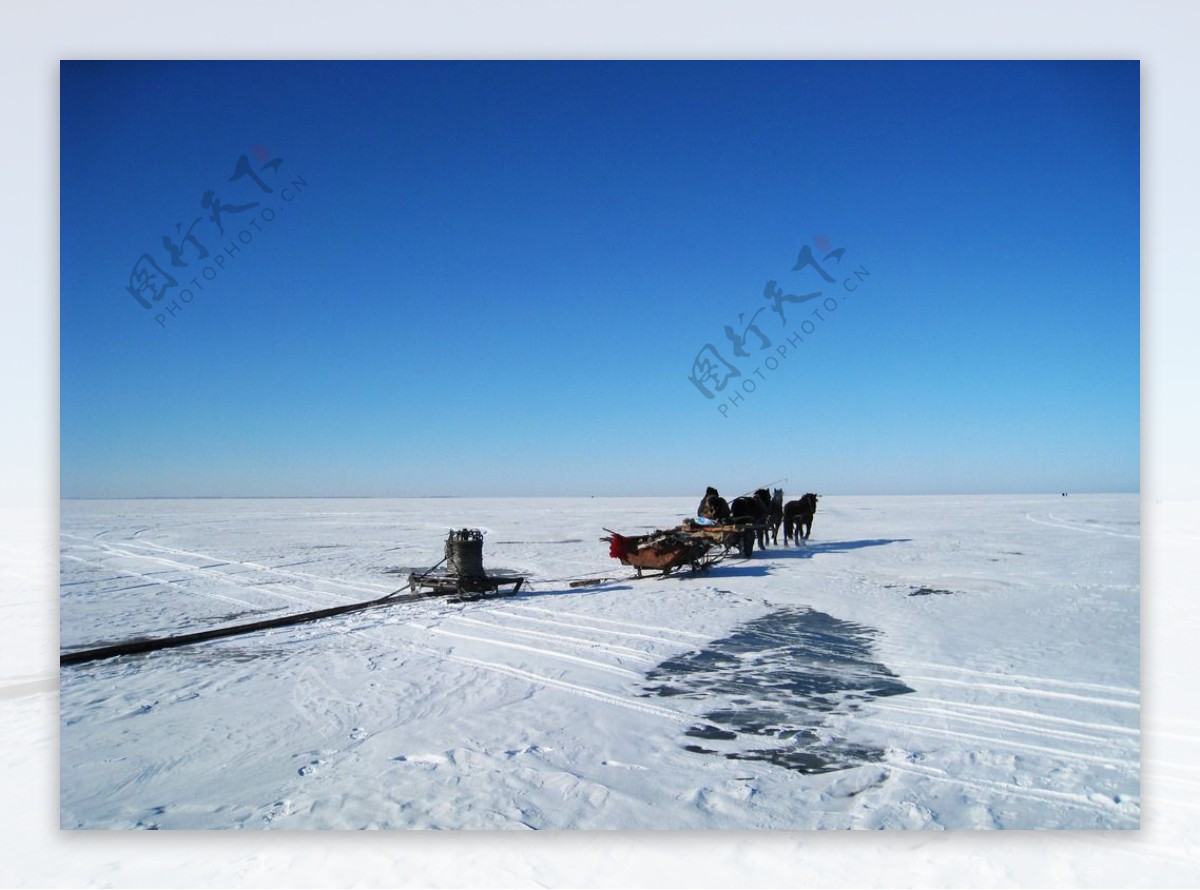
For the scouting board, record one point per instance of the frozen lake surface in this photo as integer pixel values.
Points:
(922, 663)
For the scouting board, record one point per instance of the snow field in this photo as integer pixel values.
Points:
(957, 662)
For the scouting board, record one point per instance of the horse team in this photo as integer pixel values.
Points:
(766, 510)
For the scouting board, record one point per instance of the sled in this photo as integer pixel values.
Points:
(660, 551)
(691, 545)
(464, 576)
(464, 587)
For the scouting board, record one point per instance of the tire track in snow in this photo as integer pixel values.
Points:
(88, 580)
(673, 630)
(1027, 728)
(165, 583)
(357, 586)
(224, 577)
(1002, 745)
(1078, 528)
(1071, 684)
(623, 651)
(1088, 525)
(623, 634)
(211, 572)
(1024, 690)
(598, 665)
(561, 685)
(1050, 718)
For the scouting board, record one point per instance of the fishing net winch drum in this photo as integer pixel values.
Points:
(463, 573)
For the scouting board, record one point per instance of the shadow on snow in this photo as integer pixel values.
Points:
(809, 550)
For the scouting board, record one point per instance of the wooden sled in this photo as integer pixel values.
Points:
(662, 551)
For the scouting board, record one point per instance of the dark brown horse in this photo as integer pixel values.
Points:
(775, 515)
(755, 509)
(798, 518)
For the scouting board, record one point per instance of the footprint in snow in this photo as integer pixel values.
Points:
(528, 749)
(313, 766)
(429, 760)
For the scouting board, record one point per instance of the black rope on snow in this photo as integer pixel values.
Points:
(135, 647)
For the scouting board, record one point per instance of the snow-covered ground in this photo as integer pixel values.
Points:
(923, 662)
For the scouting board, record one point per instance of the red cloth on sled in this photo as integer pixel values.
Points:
(618, 549)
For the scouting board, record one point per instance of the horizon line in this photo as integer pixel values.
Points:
(347, 497)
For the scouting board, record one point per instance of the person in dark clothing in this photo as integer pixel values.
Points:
(713, 506)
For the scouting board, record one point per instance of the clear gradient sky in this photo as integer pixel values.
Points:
(494, 278)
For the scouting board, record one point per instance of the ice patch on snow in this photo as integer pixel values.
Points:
(781, 677)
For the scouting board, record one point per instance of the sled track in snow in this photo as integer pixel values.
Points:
(161, 553)
(1003, 712)
(1000, 746)
(575, 642)
(211, 572)
(563, 686)
(1073, 527)
(1025, 690)
(671, 630)
(1026, 678)
(947, 712)
(624, 634)
(150, 578)
(548, 653)
(357, 586)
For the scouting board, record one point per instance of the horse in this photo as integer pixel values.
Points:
(713, 506)
(775, 515)
(798, 518)
(756, 509)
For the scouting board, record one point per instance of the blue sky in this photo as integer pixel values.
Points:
(494, 278)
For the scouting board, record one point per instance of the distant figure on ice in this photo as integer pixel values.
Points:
(713, 506)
